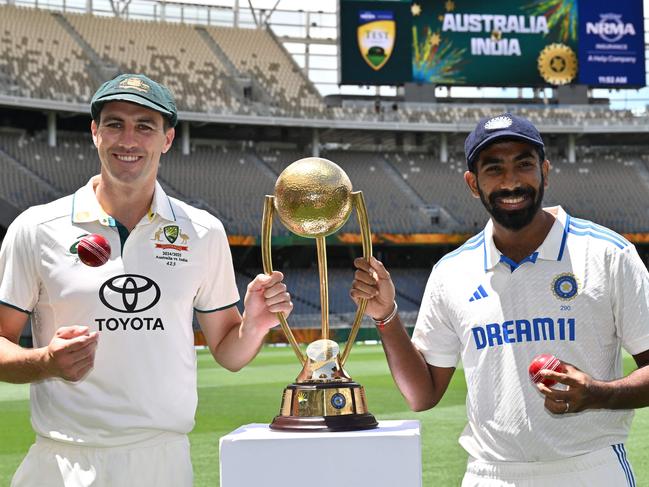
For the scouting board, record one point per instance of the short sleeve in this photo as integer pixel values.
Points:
(434, 334)
(630, 300)
(19, 279)
(218, 289)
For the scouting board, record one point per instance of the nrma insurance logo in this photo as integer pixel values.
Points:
(610, 27)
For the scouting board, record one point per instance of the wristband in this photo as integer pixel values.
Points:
(380, 324)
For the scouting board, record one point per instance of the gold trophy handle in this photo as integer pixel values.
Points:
(266, 227)
(324, 285)
(366, 238)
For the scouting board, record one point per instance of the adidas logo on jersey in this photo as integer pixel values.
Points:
(478, 294)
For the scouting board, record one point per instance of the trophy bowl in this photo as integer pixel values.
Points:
(314, 198)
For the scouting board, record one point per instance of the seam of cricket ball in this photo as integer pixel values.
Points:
(95, 249)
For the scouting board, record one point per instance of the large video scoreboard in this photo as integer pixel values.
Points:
(598, 43)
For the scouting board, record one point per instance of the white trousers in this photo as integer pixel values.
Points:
(163, 461)
(607, 467)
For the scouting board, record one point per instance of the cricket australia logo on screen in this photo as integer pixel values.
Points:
(376, 34)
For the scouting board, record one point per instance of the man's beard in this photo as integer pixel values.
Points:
(516, 219)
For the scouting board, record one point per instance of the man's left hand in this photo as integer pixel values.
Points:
(577, 396)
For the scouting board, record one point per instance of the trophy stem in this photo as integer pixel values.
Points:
(266, 227)
(324, 285)
(366, 238)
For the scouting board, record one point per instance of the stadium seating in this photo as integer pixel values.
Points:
(258, 55)
(391, 206)
(303, 284)
(231, 182)
(66, 168)
(38, 59)
(442, 184)
(19, 186)
(623, 179)
(171, 53)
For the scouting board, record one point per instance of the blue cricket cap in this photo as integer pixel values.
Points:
(505, 126)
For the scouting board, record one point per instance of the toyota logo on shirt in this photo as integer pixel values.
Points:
(129, 293)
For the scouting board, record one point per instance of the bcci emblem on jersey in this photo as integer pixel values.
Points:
(376, 34)
(565, 286)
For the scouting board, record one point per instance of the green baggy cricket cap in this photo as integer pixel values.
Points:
(136, 88)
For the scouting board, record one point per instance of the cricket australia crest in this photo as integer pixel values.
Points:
(174, 238)
(171, 233)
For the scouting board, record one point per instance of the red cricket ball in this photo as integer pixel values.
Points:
(545, 361)
(93, 250)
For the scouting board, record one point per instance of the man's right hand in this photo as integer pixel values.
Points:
(71, 352)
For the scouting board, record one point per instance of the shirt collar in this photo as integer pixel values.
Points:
(551, 248)
(86, 208)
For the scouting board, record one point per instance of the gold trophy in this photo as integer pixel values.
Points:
(313, 199)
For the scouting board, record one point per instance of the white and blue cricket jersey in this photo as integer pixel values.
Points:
(582, 296)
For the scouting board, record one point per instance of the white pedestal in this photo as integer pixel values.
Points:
(388, 456)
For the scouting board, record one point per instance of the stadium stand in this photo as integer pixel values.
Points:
(624, 180)
(391, 204)
(39, 60)
(305, 291)
(19, 186)
(442, 184)
(230, 182)
(257, 54)
(173, 54)
(65, 168)
(278, 159)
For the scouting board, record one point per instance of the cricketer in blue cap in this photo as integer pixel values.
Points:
(528, 267)
(512, 192)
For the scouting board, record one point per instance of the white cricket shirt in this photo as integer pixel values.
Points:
(582, 295)
(144, 379)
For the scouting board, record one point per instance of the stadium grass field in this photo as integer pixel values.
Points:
(228, 400)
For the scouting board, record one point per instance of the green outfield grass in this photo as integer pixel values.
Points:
(228, 400)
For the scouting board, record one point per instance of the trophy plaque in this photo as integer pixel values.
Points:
(313, 198)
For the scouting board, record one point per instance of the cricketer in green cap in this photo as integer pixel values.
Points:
(136, 88)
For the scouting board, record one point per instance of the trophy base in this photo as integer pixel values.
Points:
(324, 406)
(351, 422)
